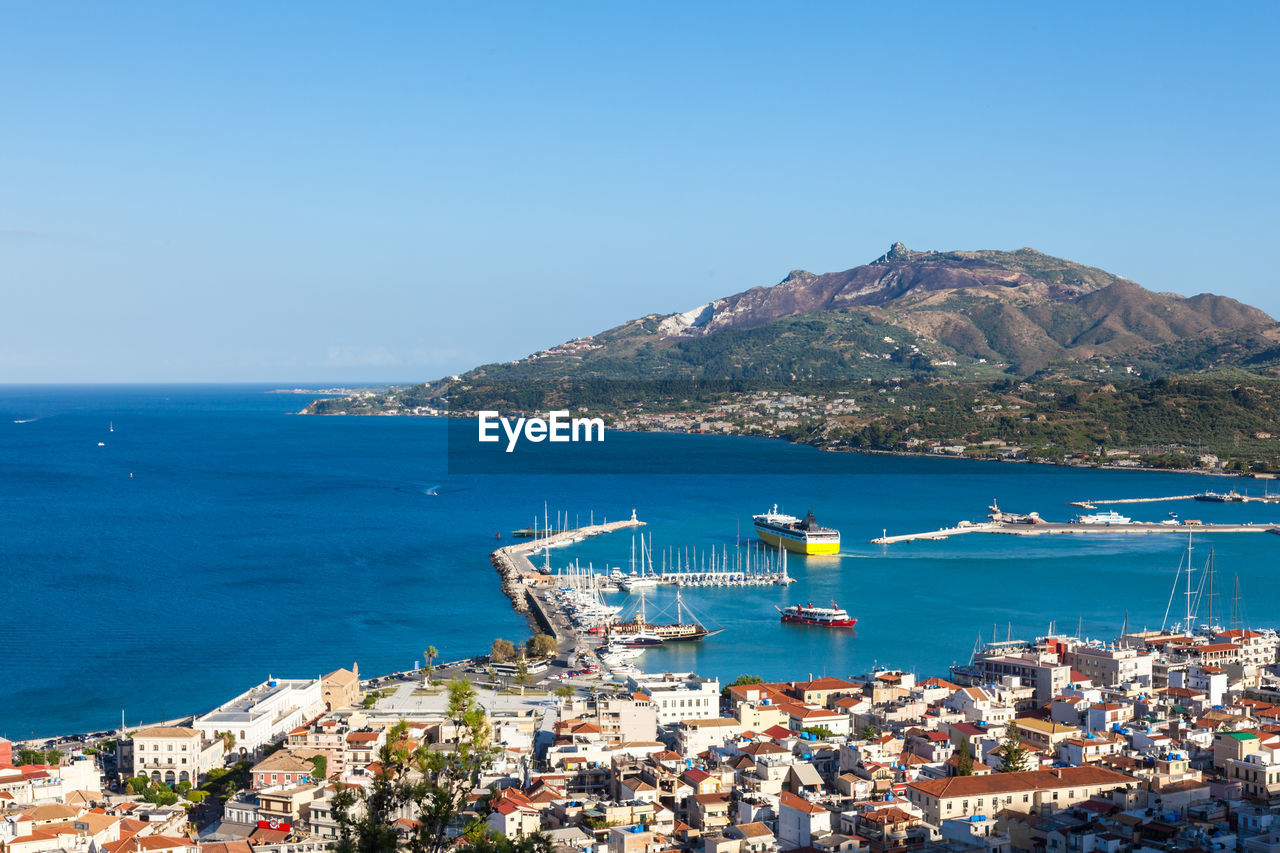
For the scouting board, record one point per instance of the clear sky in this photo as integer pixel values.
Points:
(302, 192)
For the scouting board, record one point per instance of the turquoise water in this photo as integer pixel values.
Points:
(251, 542)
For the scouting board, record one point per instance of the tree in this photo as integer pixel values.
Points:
(320, 764)
(30, 756)
(160, 794)
(564, 691)
(541, 646)
(429, 656)
(964, 759)
(228, 740)
(502, 651)
(522, 672)
(740, 681)
(431, 785)
(869, 732)
(488, 841)
(1013, 755)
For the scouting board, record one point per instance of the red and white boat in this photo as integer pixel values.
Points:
(827, 617)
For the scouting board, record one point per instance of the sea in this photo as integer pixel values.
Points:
(164, 548)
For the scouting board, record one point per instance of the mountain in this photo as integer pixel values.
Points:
(1043, 357)
(1023, 310)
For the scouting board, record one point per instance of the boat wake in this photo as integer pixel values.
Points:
(25, 420)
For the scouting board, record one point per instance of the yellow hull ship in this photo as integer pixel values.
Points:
(800, 536)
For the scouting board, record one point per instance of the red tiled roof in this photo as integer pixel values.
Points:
(1000, 783)
(790, 800)
(826, 683)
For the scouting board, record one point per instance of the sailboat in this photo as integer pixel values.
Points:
(671, 632)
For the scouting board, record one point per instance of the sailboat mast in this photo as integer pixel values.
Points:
(1211, 588)
(1186, 624)
(1235, 604)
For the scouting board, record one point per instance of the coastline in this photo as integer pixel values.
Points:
(518, 584)
(868, 451)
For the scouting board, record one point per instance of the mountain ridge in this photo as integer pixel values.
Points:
(1023, 308)
(1042, 358)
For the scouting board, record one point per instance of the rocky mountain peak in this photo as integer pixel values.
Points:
(897, 253)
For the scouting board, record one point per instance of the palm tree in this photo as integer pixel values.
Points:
(228, 740)
(430, 656)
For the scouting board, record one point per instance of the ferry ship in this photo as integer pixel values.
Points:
(827, 617)
(803, 537)
(1108, 517)
(1231, 497)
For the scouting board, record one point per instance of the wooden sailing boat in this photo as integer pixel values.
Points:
(670, 632)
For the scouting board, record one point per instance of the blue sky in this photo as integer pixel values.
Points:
(303, 192)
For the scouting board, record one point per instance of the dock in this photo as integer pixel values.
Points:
(1096, 504)
(1052, 528)
(709, 578)
(1231, 498)
(527, 587)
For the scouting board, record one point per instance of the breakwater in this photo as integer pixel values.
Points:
(525, 586)
(1049, 528)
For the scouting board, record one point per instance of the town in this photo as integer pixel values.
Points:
(1151, 742)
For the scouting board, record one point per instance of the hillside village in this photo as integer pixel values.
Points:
(1152, 742)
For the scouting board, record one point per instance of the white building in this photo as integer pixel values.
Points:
(1112, 666)
(266, 712)
(1210, 680)
(173, 754)
(679, 696)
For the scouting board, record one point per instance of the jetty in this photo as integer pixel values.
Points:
(1232, 497)
(527, 587)
(1052, 528)
(1096, 504)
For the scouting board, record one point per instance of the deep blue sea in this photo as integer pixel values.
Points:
(215, 539)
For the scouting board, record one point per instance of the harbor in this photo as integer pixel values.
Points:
(567, 601)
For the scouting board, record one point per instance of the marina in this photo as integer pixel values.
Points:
(568, 602)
